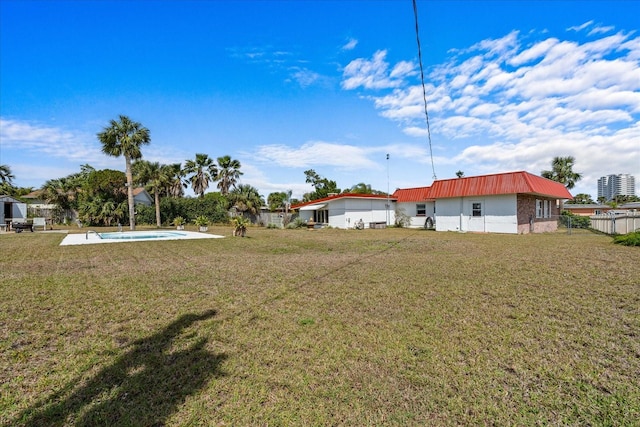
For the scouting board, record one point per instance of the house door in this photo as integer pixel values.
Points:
(8, 211)
(476, 216)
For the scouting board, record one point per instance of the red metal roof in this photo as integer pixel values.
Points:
(417, 194)
(341, 196)
(503, 183)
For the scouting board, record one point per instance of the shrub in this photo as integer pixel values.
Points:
(577, 221)
(201, 221)
(629, 239)
(178, 221)
(145, 214)
(297, 223)
(402, 219)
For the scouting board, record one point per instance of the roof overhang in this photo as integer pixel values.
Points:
(313, 207)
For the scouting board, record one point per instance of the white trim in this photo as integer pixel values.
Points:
(313, 207)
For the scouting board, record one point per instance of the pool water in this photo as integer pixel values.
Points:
(91, 237)
(142, 235)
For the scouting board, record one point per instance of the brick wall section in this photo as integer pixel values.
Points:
(527, 212)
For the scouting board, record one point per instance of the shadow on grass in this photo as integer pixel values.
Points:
(143, 387)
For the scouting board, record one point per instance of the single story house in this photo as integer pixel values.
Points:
(585, 209)
(513, 202)
(37, 206)
(417, 205)
(346, 210)
(142, 196)
(631, 206)
(11, 210)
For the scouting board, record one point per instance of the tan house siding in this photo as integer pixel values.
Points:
(587, 210)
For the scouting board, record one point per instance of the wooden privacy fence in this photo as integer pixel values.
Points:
(616, 224)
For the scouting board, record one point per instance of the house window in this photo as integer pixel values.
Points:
(476, 209)
(543, 208)
(421, 209)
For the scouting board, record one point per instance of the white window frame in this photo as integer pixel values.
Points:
(421, 209)
(476, 209)
(543, 208)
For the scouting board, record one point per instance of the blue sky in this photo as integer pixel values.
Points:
(286, 86)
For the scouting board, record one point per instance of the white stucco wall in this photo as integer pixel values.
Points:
(344, 213)
(499, 214)
(409, 208)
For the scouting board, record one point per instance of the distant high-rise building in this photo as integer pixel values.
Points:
(616, 185)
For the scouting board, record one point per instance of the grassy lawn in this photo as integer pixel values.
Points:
(324, 327)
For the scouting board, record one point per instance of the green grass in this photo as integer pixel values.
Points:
(323, 327)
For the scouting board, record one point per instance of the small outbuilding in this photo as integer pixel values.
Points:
(11, 210)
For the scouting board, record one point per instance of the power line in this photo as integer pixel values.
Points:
(424, 90)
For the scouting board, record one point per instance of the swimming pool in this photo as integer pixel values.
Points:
(92, 237)
(142, 235)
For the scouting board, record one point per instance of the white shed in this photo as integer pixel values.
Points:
(12, 210)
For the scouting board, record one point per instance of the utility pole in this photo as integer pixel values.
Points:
(388, 190)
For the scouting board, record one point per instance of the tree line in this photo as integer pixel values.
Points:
(106, 197)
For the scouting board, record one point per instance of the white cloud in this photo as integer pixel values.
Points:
(513, 105)
(350, 44)
(536, 51)
(498, 47)
(306, 77)
(402, 69)
(580, 27)
(373, 73)
(49, 141)
(254, 175)
(260, 54)
(315, 153)
(601, 30)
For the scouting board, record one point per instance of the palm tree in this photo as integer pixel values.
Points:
(228, 174)
(62, 192)
(124, 138)
(360, 188)
(246, 198)
(6, 177)
(175, 187)
(155, 177)
(202, 170)
(92, 211)
(562, 172)
(107, 212)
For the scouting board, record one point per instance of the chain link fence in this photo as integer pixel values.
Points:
(608, 223)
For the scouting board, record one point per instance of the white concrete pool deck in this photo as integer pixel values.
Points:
(90, 238)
